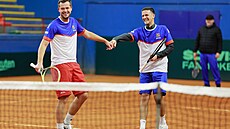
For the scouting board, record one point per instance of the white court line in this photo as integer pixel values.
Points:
(212, 109)
(206, 109)
(32, 100)
(29, 125)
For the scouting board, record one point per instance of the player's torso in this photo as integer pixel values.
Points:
(64, 43)
(147, 43)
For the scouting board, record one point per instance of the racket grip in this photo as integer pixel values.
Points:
(143, 67)
(32, 65)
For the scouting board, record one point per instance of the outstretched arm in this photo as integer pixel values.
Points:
(92, 36)
(121, 38)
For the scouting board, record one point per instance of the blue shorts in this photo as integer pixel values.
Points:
(153, 77)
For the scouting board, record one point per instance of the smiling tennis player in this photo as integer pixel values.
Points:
(62, 34)
(148, 39)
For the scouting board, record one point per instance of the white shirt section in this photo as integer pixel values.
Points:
(63, 49)
(146, 50)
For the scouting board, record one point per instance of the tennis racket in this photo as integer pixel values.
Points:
(196, 70)
(154, 53)
(49, 74)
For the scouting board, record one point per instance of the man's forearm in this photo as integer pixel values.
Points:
(197, 42)
(123, 37)
(95, 37)
(166, 51)
(41, 51)
(219, 41)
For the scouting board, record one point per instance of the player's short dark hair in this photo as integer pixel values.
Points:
(149, 8)
(63, 1)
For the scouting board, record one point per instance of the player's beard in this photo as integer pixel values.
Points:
(65, 16)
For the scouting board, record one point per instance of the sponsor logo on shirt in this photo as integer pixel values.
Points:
(158, 36)
(74, 29)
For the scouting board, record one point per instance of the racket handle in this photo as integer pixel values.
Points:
(143, 67)
(32, 65)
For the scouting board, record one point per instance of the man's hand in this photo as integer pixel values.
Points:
(109, 45)
(38, 67)
(154, 58)
(217, 55)
(114, 42)
(194, 55)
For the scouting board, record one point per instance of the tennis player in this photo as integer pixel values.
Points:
(62, 35)
(148, 38)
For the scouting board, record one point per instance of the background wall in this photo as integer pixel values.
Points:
(127, 15)
(44, 8)
(101, 16)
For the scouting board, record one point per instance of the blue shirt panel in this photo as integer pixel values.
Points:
(61, 28)
(151, 36)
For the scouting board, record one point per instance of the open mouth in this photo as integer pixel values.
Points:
(65, 14)
(146, 21)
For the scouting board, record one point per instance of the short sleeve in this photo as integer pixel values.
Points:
(80, 29)
(168, 36)
(135, 34)
(50, 32)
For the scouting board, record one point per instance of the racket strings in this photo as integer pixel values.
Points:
(51, 74)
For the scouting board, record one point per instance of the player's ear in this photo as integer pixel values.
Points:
(153, 15)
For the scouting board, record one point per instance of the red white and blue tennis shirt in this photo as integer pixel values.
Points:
(63, 40)
(147, 41)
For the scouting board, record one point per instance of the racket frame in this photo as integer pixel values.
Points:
(44, 70)
(196, 70)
